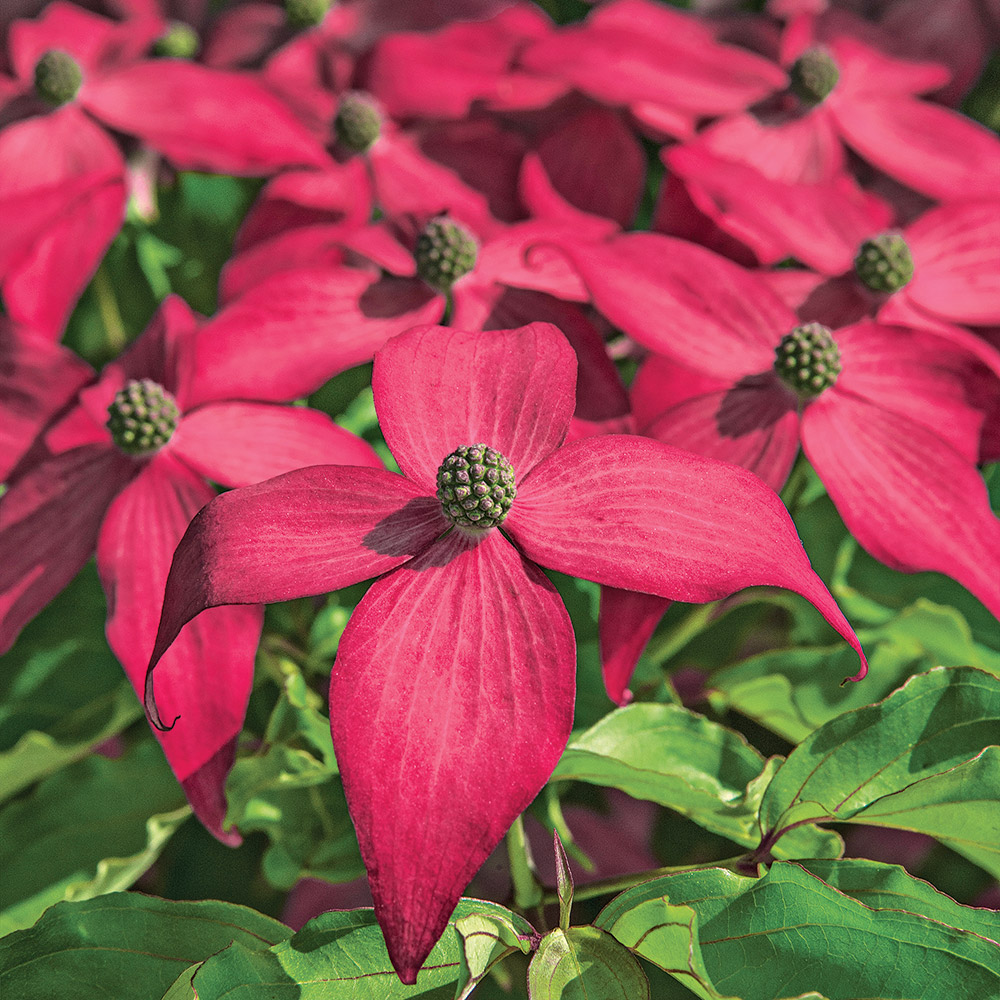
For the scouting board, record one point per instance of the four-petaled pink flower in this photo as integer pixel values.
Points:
(452, 694)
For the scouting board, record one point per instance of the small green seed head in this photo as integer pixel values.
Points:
(475, 485)
(884, 263)
(813, 76)
(57, 77)
(808, 360)
(179, 41)
(305, 13)
(358, 122)
(143, 417)
(445, 252)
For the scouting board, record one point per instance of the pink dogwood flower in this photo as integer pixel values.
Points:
(122, 473)
(451, 698)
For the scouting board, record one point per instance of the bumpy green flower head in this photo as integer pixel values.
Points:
(306, 13)
(445, 251)
(475, 485)
(884, 263)
(358, 122)
(57, 77)
(179, 41)
(143, 417)
(813, 76)
(808, 359)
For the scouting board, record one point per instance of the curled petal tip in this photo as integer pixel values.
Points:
(149, 703)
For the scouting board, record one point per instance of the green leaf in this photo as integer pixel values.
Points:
(681, 760)
(93, 827)
(340, 954)
(919, 760)
(789, 933)
(585, 962)
(794, 691)
(123, 946)
(488, 938)
(61, 690)
(890, 887)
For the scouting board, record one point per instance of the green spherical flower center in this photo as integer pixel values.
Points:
(306, 13)
(884, 263)
(813, 76)
(57, 77)
(179, 41)
(143, 417)
(358, 122)
(475, 485)
(808, 359)
(445, 252)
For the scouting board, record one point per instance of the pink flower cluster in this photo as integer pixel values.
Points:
(453, 190)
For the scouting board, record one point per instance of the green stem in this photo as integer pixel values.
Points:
(527, 891)
(107, 306)
(662, 649)
(612, 886)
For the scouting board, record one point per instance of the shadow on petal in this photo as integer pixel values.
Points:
(409, 532)
(755, 402)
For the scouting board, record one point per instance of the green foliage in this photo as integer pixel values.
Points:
(62, 692)
(683, 761)
(921, 760)
(488, 936)
(584, 962)
(93, 827)
(123, 946)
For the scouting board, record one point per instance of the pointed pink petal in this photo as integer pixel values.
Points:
(821, 225)
(236, 444)
(932, 149)
(239, 128)
(286, 337)
(206, 791)
(451, 701)
(904, 493)
(37, 380)
(633, 513)
(206, 675)
(437, 389)
(49, 519)
(956, 262)
(627, 621)
(917, 375)
(304, 533)
(683, 300)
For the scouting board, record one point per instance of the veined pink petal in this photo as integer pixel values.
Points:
(239, 127)
(627, 621)
(919, 376)
(236, 444)
(286, 337)
(956, 258)
(206, 675)
(451, 700)
(437, 389)
(49, 518)
(37, 380)
(682, 300)
(932, 149)
(904, 493)
(306, 532)
(632, 513)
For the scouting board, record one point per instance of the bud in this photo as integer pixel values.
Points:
(358, 122)
(179, 41)
(445, 252)
(808, 360)
(884, 263)
(143, 417)
(813, 75)
(475, 485)
(305, 13)
(57, 77)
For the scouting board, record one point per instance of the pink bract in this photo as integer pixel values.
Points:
(454, 680)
